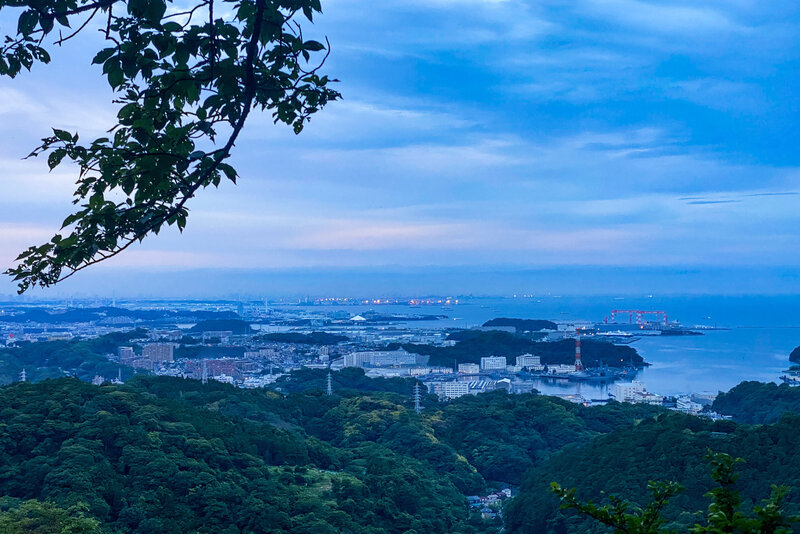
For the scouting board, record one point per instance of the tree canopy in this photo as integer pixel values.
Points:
(185, 78)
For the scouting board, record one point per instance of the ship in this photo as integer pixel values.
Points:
(602, 374)
(618, 337)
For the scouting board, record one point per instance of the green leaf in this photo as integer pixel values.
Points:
(116, 77)
(63, 135)
(103, 55)
(55, 157)
(27, 22)
(313, 46)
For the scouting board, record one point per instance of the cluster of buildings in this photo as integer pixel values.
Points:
(489, 506)
(635, 392)
(252, 361)
(692, 404)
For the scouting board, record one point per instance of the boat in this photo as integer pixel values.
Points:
(619, 337)
(603, 374)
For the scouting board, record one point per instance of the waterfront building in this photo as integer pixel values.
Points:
(493, 363)
(626, 392)
(529, 361)
(635, 392)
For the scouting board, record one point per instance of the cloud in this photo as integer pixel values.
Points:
(703, 202)
(662, 16)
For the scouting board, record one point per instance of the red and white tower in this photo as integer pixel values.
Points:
(578, 363)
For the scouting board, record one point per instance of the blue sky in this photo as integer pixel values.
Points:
(481, 135)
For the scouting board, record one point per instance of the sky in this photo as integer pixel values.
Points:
(481, 146)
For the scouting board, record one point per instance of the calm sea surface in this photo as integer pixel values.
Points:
(760, 333)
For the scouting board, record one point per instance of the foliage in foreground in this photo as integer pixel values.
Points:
(724, 514)
(670, 447)
(185, 77)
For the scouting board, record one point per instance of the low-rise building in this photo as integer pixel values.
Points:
(626, 392)
(493, 363)
(685, 404)
(453, 390)
(529, 360)
(469, 368)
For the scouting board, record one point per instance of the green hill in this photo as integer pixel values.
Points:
(671, 447)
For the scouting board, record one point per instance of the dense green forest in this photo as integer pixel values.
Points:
(758, 402)
(166, 455)
(170, 455)
(83, 358)
(149, 465)
(472, 345)
(671, 448)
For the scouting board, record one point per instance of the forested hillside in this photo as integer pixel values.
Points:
(758, 402)
(671, 448)
(150, 465)
(171, 455)
(83, 358)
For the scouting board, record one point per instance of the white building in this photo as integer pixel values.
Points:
(453, 390)
(529, 360)
(493, 363)
(627, 392)
(635, 392)
(687, 405)
(379, 358)
(469, 368)
(357, 359)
